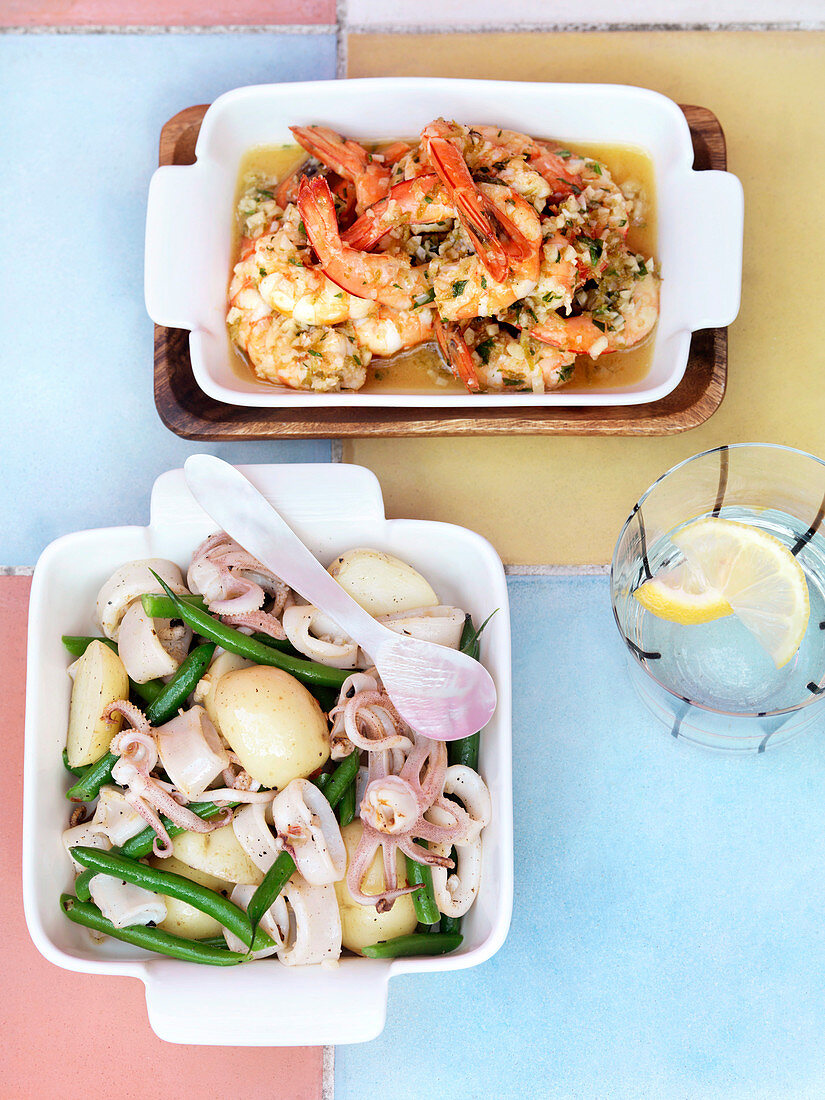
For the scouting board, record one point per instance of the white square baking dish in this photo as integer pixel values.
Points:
(332, 507)
(191, 213)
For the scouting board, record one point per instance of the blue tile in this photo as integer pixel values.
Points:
(80, 440)
(668, 938)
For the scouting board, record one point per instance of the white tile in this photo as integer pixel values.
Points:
(432, 14)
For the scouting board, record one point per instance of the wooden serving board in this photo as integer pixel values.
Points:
(189, 412)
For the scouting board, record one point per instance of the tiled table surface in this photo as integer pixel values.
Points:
(667, 933)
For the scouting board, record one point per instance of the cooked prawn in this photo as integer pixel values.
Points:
(350, 160)
(594, 333)
(489, 358)
(378, 277)
(391, 330)
(468, 200)
(316, 358)
(278, 263)
(464, 288)
(419, 201)
(343, 191)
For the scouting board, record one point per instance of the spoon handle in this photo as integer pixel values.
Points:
(245, 514)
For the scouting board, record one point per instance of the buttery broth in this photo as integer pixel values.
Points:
(420, 370)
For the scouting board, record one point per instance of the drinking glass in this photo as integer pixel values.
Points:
(713, 684)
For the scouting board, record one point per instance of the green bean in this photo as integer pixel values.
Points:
(346, 807)
(321, 781)
(212, 941)
(308, 672)
(283, 644)
(273, 883)
(81, 884)
(417, 943)
(161, 607)
(151, 939)
(424, 899)
(325, 697)
(181, 686)
(175, 886)
(141, 845)
(77, 644)
(341, 778)
(450, 925)
(93, 778)
(75, 771)
(465, 750)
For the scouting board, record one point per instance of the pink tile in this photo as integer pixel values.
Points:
(164, 13)
(75, 1034)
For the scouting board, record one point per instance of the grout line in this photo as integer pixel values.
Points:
(557, 570)
(555, 28)
(229, 28)
(343, 41)
(328, 1074)
(336, 447)
(16, 570)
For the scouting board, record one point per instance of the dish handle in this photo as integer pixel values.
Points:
(178, 245)
(267, 1004)
(713, 206)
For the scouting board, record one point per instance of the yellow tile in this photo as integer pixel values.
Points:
(562, 500)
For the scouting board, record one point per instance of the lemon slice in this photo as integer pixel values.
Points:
(683, 595)
(758, 576)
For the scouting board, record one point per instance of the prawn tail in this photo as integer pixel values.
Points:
(347, 158)
(317, 209)
(470, 205)
(454, 349)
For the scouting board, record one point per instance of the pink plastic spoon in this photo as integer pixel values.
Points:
(440, 692)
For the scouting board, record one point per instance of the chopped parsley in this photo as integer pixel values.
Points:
(459, 287)
(566, 373)
(485, 348)
(600, 325)
(262, 272)
(265, 194)
(565, 154)
(483, 282)
(594, 167)
(596, 248)
(422, 299)
(311, 351)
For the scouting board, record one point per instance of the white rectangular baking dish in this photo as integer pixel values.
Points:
(333, 508)
(191, 212)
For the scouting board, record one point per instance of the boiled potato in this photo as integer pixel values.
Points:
(99, 679)
(182, 919)
(205, 688)
(381, 583)
(217, 853)
(273, 724)
(362, 925)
